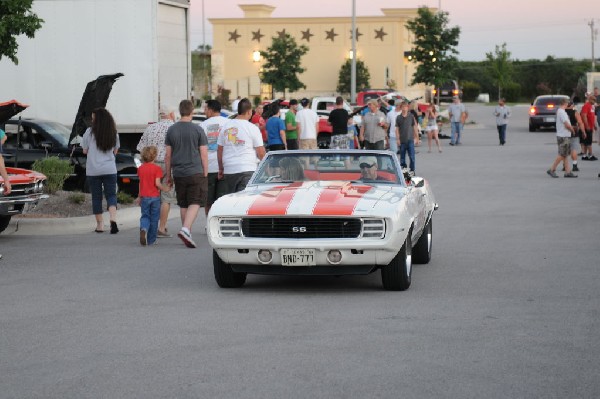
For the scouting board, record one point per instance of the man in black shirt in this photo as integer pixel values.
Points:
(338, 119)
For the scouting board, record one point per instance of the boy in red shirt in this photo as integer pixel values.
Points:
(149, 196)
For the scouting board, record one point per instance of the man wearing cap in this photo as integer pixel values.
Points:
(458, 115)
(372, 129)
(368, 168)
(291, 132)
(307, 123)
(155, 135)
(589, 121)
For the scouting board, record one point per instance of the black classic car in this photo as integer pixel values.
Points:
(31, 139)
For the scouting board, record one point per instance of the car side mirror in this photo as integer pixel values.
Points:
(418, 181)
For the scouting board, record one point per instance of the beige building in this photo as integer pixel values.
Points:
(382, 42)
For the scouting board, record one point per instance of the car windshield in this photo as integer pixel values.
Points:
(355, 166)
(57, 131)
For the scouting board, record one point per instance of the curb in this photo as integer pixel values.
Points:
(126, 219)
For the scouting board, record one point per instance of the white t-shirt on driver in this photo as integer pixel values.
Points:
(239, 138)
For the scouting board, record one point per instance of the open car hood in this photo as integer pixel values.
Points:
(95, 95)
(9, 109)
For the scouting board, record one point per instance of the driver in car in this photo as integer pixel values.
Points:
(368, 168)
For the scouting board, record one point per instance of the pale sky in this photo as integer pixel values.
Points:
(531, 28)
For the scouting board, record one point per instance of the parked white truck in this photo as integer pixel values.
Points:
(146, 40)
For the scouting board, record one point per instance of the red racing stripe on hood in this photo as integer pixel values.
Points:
(274, 201)
(339, 199)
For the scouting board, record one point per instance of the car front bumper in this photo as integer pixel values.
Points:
(10, 205)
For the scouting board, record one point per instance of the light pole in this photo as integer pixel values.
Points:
(353, 60)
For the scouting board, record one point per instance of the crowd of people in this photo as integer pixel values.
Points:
(192, 165)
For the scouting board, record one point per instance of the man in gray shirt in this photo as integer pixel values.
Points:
(407, 129)
(373, 128)
(458, 115)
(186, 158)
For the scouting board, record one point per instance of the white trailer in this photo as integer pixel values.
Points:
(147, 40)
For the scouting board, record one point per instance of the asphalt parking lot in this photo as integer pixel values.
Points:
(507, 308)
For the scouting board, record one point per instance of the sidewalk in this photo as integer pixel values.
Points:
(126, 219)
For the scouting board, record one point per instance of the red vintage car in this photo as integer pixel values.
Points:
(27, 186)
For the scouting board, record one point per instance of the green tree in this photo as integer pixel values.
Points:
(283, 64)
(16, 19)
(434, 48)
(500, 67)
(362, 76)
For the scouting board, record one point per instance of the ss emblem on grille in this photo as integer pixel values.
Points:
(297, 229)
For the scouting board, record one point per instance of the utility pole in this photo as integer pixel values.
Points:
(353, 60)
(594, 32)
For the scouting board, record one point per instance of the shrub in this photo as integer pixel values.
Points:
(56, 170)
(77, 198)
(256, 101)
(124, 198)
(512, 92)
(542, 88)
(470, 90)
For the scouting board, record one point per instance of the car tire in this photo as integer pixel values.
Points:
(396, 276)
(421, 252)
(224, 275)
(4, 221)
(532, 128)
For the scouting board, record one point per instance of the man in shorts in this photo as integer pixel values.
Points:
(307, 123)
(186, 162)
(563, 137)
(155, 135)
(589, 120)
(212, 126)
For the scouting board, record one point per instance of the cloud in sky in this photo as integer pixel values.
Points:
(531, 28)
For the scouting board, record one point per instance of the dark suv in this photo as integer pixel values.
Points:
(447, 91)
(542, 112)
(36, 138)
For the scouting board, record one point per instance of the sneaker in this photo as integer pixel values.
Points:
(584, 158)
(451, 143)
(163, 234)
(186, 238)
(575, 168)
(143, 237)
(592, 158)
(570, 174)
(552, 173)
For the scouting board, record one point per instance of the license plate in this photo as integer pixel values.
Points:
(444, 92)
(298, 257)
(550, 119)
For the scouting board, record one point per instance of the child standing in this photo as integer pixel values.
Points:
(149, 196)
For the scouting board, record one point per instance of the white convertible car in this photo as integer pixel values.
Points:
(324, 212)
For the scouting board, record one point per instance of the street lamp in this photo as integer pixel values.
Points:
(256, 56)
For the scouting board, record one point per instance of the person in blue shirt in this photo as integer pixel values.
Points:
(276, 130)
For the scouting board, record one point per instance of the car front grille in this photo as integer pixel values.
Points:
(21, 189)
(301, 228)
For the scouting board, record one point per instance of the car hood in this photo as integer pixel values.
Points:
(95, 95)
(326, 198)
(9, 109)
(20, 176)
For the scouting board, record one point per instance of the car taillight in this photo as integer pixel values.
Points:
(434, 92)
(532, 110)
(550, 106)
(455, 92)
